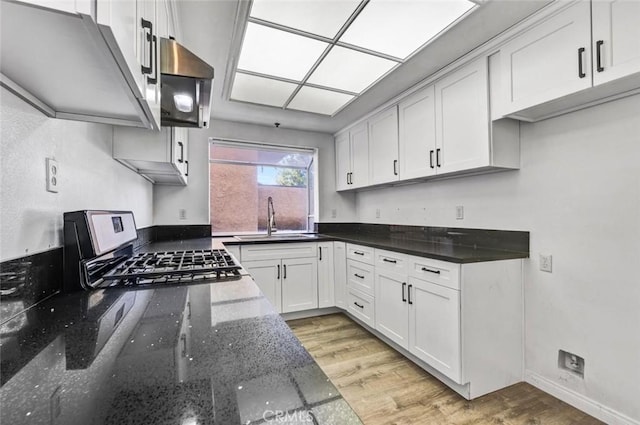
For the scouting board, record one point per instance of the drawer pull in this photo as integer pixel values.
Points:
(424, 269)
(358, 305)
(581, 73)
(389, 261)
(358, 276)
(404, 298)
(358, 252)
(410, 302)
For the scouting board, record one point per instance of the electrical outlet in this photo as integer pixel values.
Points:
(53, 179)
(182, 214)
(377, 212)
(334, 213)
(459, 212)
(571, 362)
(546, 262)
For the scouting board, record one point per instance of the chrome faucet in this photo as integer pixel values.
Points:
(271, 217)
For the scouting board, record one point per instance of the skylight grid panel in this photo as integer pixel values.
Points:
(350, 70)
(279, 53)
(249, 88)
(320, 101)
(398, 28)
(324, 18)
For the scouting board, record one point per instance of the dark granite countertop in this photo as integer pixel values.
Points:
(455, 253)
(210, 353)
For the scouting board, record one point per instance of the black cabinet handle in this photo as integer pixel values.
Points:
(186, 174)
(424, 269)
(581, 72)
(599, 66)
(148, 25)
(348, 178)
(358, 252)
(358, 305)
(358, 276)
(284, 272)
(181, 159)
(395, 167)
(438, 157)
(431, 159)
(389, 261)
(404, 298)
(409, 294)
(189, 309)
(278, 277)
(320, 248)
(154, 47)
(183, 338)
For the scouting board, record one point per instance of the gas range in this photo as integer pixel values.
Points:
(98, 253)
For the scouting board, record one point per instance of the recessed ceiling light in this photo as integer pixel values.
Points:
(249, 88)
(320, 101)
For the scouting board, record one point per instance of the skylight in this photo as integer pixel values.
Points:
(318, 55)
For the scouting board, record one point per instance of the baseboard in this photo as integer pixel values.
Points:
(310, 313)
(579, 401)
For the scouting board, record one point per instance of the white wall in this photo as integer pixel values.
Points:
(30, 217)
(578, 193)
(195, 197)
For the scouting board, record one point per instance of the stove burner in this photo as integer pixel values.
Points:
(174, 267)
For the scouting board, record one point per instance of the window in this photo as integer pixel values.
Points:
(243, 176)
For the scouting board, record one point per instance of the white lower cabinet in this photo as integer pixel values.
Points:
(326, 287)
(391, 307)
(434, 326)
(299, 284)
(340, 274)
(287, 274)
(361, 306)
(266, 274)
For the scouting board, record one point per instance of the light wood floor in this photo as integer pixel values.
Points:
(383, 387)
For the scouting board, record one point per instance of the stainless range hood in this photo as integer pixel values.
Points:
(186, 85)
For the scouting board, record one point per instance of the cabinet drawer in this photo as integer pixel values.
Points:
(360, 253)
(392, 261)
(435, 271)
(360, 276)
(278, 250)
(361, 306)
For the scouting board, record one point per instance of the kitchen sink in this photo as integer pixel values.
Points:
(276, 236)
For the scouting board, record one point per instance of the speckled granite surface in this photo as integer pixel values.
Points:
(201, 354)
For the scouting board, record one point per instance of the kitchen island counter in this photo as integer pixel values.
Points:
(210, 353)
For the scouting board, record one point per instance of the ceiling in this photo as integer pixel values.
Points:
(213, 30)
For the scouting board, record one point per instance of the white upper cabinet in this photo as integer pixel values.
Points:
(359, 137)
(462, 119)
(616, 38)
(343, 161)
(550, 60)
(161, 157)
(561, 63)
(417, 133)
(383, 147)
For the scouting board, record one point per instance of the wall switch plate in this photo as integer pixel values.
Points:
(459, 212)
(52, 175)
(571, 362)
(377, 212)
(546, 262)
(182, 214)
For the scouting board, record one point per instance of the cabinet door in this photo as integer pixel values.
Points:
(417, 132)
(383, 147)
(462, 119)
(616, 39)
(359, 156)
(299, 284)
(545, 62)
(340, 273)
(326, 288)
(392, 313)
(267, 275)
(343, 161)
(434, 326)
